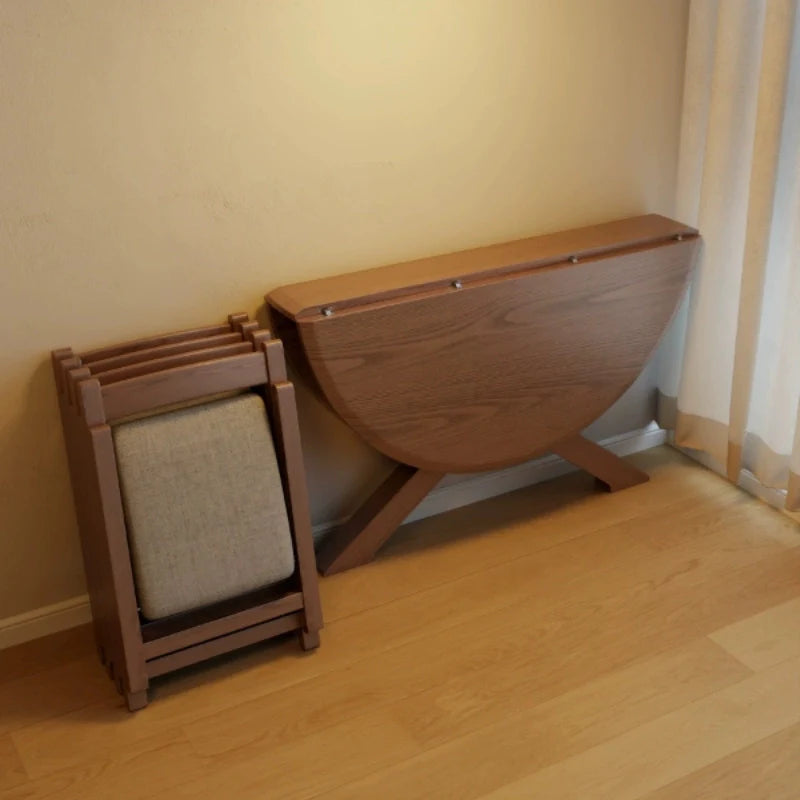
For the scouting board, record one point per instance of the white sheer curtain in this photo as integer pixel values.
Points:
(730, 381)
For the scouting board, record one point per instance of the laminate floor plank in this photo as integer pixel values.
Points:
(235, 708)
(533, 651)
(536, 735)
(42, 654)
(12, 773)
(304, 767)
(135, 772)
(766, 770)
(31, 699)
(659, 752)
(485, 652)
(764, 639)
(426, 553)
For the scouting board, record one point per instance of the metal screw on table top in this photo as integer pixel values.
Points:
(456, 284)
(573, 259)
(327, 311)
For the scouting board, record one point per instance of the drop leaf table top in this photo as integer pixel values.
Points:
(485, 358)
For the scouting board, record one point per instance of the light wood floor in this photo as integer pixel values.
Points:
(552, 643)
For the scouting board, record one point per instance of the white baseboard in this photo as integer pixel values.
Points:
(44, 621)
(69, 613)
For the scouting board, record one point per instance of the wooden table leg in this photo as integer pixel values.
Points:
(609, 469)
(357, 540)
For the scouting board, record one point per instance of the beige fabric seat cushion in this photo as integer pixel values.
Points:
(204, 504)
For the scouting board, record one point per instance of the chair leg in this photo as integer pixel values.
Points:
(309, 640)
(136, 700)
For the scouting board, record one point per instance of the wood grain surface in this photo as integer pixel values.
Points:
(179, 384)
(610, 471)
(235, 321)
(356, 541)
(410, 277)
(133, 651)
(496, 372)
(181, 359)
(602, 642)
(162, 351)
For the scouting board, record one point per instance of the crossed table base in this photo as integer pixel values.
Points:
(357, 540)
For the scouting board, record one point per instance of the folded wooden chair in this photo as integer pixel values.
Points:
(139, 357)
(173, 338)
(124, 468)
(122, 361)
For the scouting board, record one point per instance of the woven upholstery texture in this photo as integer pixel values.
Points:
(204, 504)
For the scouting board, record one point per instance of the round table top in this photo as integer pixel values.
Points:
(491, 370)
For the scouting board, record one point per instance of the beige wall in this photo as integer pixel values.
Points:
(164, 162)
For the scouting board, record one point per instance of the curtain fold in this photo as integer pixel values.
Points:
(735, 396)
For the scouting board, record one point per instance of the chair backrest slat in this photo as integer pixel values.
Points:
(102, 353)
(162, 351)
(161, 364)
(182, 384)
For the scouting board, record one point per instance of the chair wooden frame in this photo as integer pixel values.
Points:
(134, 650)
(233, 324)
(155, 353)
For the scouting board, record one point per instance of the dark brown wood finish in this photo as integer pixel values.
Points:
(611, 472)
(131, 668)
(199, 633)
(156, 365)
(224, 644)
(167, 626)
(234, 321)
(483, 359)
(162, 351)
(134, 650)
(395, 281)
(360, 537)
(93, 546)
(72, 378)
(181, 384)
(494, 373)
(152, 354)
(244, 337)
(69, 370)
(290, 456)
